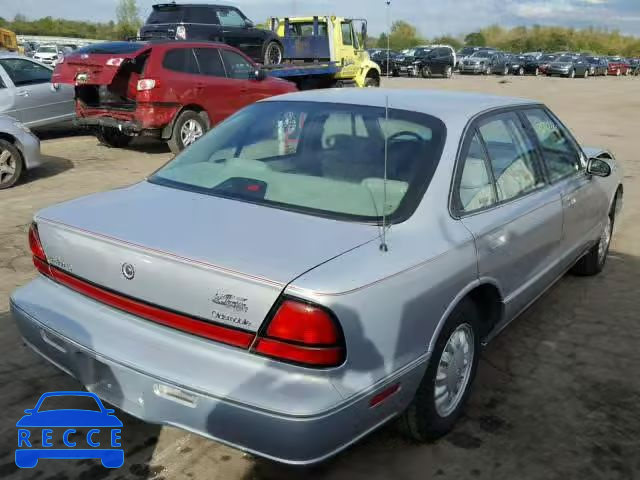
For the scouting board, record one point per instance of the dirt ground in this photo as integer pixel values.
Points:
(557, 395)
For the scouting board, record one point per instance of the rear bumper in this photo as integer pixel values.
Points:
(145, 119)
(313, 423)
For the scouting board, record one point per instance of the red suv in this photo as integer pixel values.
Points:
(174, 91)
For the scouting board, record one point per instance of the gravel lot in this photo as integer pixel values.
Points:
(557, 395)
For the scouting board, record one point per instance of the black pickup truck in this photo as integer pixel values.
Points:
(216, 23)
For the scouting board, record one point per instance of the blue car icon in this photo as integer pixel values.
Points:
(41, 417)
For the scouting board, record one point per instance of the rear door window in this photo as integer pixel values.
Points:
(210, 62)
(475, 191)
(181, 60)
(230, 17)
(512, 155)
(25, 72)
(236, 65)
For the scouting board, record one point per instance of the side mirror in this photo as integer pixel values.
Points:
(260, 74)
(598, 167)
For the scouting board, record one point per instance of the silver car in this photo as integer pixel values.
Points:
(27, 94)
(19, 151)
(318, 265)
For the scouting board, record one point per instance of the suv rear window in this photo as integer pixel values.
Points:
(323, 159)
(165, 14)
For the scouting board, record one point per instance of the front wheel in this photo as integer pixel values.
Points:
(487, 71)
(521, 72)
(425, 72)
(272, 53)
(448, 71)
(572, 74)
(585, 74)
(372, 81)
(537, 72)
(112, 137)
(11, 164)
(446, 385)
(189, 127)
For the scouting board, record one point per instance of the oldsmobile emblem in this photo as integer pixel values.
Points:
(128, 271)
(237, 304)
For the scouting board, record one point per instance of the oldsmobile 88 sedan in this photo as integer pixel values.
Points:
(318, 264)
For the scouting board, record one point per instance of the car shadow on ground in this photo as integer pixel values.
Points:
(50, 167)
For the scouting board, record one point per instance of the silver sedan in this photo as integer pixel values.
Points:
(19, 151)
(318, 264)
(27, 94)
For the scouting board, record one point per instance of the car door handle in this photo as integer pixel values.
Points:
(22, 93)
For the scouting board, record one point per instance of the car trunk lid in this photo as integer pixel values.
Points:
(220, 261)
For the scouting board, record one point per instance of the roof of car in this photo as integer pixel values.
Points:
(439, 103)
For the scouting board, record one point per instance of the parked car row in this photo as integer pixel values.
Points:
(428, 60)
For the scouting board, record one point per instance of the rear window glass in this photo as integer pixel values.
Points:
(166, 14)
(112, 48)
(206, 15)
(319, 158)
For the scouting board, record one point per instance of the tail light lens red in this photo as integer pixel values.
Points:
(39, 257)
(304, 334)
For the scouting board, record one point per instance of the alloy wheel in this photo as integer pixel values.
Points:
(7, 167)
(454, 370)
(190, 132)
(274, 54)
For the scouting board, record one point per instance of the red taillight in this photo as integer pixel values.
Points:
(304, 334)
(147, 84)
(39, 257)
(35, 244)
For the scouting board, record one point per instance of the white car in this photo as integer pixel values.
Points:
(48, 54)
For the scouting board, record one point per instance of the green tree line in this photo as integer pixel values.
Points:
(521, 39)
(127, 25)
(403, 34)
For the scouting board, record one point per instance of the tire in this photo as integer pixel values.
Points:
(372, 81)
(572, 74)
(593, 262)
(537, 72)
(448, 72)
(112, 137)
(487, 70)
(505, 72)
(189, 127)
(586, 74)
(521, 72)
(618, 72)
(423, 420)
(272, 53)
(11, 164)
(425, 72)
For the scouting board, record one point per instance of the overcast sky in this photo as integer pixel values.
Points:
(432, 17)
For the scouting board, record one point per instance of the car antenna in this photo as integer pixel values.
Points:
(383, 245)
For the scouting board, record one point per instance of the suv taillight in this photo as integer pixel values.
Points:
(39, 257)
(147, 84)
(181, 32)
(304, 334)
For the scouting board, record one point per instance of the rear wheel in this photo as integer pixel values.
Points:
(112, 137)
(444, 389)
(448, 71)
(505, 71)
(189, 127)
(272, 53)
(594, 260)
(11, 164)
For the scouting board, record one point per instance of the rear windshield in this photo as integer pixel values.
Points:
(112, 48)
(318, 158)
(166, 14)
(47, 50)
